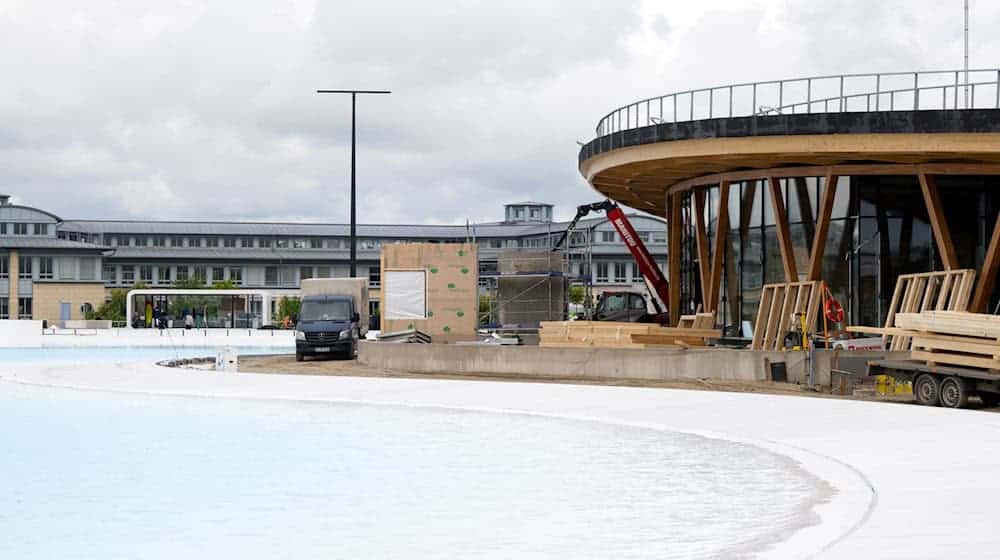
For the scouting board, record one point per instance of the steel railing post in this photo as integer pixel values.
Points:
(809, 95)
(842, 94)
(916, 92)
(956, 89)
(731, 101)
(878, 90)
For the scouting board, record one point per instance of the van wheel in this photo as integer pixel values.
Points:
(926, 390)
(299, 357)
(953, 393)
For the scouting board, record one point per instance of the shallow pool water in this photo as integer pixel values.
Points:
(96, 475)
(68, 355)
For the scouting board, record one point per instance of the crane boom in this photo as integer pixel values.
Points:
(647, 265)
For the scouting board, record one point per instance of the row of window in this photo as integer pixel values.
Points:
(274, 276)
(22, 228)
(234, 242)
(579, 238)
(165, 275)
(615, 273)
(46, 267)
(24, 308)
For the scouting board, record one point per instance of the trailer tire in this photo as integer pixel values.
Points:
(299, 357)
(990, 400)
(926, 390)
(954, 393)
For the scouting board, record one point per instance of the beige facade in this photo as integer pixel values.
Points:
(13, 269)
(49, 296)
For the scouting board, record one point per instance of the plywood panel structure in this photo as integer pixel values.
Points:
(452, 288)
(780, 305)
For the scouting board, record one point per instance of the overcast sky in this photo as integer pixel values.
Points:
(205, 109)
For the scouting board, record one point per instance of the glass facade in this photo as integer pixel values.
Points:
(879, 229)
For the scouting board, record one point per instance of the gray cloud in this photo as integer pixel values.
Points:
(206, 110)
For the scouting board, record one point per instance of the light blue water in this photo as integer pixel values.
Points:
(55, 356)
(103, 476)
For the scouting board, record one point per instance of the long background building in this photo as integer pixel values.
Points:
(55, 269)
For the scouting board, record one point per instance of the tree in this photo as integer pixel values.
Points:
(576, 294)
(113, 308)
(287, 307)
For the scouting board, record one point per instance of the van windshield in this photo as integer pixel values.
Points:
(325, 311)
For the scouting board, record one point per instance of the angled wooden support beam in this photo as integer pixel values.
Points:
(784, 235)
(988, 276)
(719, 253)
(942, 235)
(822, 227)
(674, 228)
(805, 206)
(701, 242)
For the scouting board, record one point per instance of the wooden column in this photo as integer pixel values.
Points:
(784, 236)
(674, 257)
(805, 206)
(719, 254)
(988, 276)
(701, 240)
(942, 236)
(822, 227)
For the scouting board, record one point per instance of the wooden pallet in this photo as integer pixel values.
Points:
(779, 305)
(948, 290)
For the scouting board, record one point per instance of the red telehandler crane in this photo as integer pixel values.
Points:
(623, 306)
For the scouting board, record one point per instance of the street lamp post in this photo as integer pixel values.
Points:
(354, 217)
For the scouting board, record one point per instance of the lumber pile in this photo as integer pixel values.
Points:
(954, 338)
(780, 304)
(408, 336)
(947, 290)
(697, 321)
(606, 334)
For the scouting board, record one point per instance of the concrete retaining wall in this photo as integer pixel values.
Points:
(608, 363)
(576, 363)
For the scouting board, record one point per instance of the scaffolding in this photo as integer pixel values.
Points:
(529, 286)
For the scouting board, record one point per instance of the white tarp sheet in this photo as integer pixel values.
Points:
(405, 294)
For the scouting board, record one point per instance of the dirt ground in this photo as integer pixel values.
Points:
(286, 365)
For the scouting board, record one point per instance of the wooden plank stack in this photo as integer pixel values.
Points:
(780, 304)
(947, 290)
(606, 334)
(953, 338)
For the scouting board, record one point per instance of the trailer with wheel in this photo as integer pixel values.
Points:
(942, 385)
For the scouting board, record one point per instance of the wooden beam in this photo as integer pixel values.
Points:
(674, 258)
(719, 254)
(805, 207)
(988, 275)
(701, 242)
(822, 227)
(942, 235)
(784, 235)
(842, 170)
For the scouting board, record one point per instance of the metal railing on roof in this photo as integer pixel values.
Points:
(888, 91)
